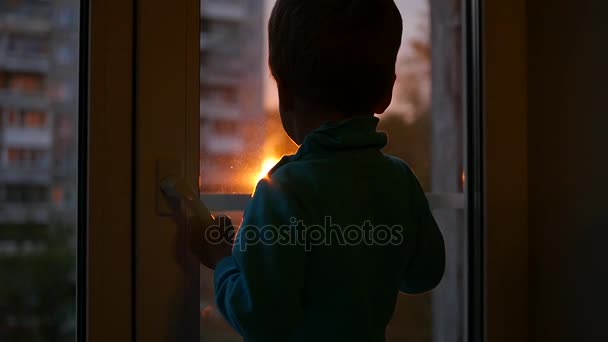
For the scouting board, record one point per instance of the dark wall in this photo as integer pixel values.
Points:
(568, 169)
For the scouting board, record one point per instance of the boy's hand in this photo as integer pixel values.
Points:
(213, 243)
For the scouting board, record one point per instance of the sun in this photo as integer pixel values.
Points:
(267, 164)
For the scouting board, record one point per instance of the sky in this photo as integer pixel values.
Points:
(414, 13)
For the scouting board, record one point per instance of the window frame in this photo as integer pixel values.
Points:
(121, 202)
(472, 200)
(166, 142)
(475, 169)
(120, 136)
(105, 208)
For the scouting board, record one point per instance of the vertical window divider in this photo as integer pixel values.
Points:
(475, 170)
(105, 172)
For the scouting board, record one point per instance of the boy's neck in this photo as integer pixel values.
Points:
(306, 118)
(310, 121)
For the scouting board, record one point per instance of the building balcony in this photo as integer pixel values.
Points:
(15, 61)
(223, 10)
(226, 63)
(33, 22)
(221, 42)
(217, 75)
(224, 69)
(27, 137)
(16, 213)
(40, 174)
(10, 98)
(221, 144)
(215, 109)
(224, 180)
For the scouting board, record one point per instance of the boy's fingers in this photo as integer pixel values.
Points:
(227, 228)
(213, 242)
(195, 226)
(207, 237)
(223, 221)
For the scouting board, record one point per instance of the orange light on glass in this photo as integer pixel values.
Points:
(463, 178)
(58, 195)
(267, 164)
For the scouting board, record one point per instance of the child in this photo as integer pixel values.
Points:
(336, 230)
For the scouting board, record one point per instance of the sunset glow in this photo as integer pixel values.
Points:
(267, 165)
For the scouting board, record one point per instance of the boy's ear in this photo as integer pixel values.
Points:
(387, 98)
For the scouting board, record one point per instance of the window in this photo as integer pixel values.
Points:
(35, 119)
(225, 127)
(425, 123)
(26, 194)
(173, 102)
(14, 118)
(26, 83)
(220, 93)
(15, 155)
(20, 157)
(26, 118)
(58, 195)
(37, 237)
(27, 45)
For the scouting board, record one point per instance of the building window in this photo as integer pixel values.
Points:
(25, 157)
(27, 83)
(26, 193)
(227, 94)
(14, 156)
(35, 119)
(27, 45)
(58, 195)
(37, 290)
(225, 127)
(14, 118)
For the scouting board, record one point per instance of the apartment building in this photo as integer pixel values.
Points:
(38, 167)
(232, 93)
(38, 110)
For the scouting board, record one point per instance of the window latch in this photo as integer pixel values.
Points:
(177, 190)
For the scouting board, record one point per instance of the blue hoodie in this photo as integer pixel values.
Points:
(330, 238)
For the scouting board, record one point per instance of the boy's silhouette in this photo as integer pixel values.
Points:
(338, 229)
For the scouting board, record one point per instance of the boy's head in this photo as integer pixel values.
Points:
(336, 55)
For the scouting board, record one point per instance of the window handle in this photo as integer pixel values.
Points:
(177, 190)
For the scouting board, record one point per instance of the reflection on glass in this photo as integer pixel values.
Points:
(38, 154)
(242, 137)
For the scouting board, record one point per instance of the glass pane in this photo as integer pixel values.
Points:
(213, 325)
(242, 137)
(38, 169)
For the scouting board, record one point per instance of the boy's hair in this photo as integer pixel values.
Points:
(338, 54)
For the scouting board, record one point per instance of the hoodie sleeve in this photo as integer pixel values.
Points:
(425, 269)
(258, 289)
